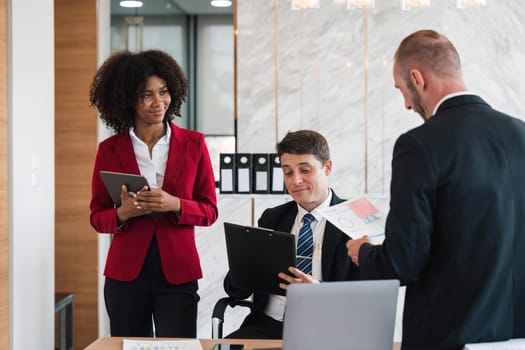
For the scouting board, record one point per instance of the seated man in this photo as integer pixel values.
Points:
(321, 247)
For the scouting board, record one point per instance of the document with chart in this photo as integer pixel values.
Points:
(512, 344)
(357, 217)
(135, 344)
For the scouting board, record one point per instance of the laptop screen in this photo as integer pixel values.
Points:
(340, 315)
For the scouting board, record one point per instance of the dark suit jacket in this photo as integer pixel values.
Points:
(189, 176)
(455, 234)
(335, 264)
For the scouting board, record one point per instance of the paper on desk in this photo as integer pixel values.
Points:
(132, 344)
(357, 217)
(512, 344)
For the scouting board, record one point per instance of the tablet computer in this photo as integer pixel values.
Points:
(114, 181)
(256, 255)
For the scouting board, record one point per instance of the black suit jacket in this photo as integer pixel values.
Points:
(335, 264)
(455, 234)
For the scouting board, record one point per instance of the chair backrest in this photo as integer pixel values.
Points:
(217, 317)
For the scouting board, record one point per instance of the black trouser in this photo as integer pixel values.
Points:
(132, 305)
(260, 326)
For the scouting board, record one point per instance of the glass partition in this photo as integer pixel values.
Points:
(200, 37)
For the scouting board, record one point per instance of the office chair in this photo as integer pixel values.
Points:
(217, 318)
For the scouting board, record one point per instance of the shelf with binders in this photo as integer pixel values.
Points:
(247, 173)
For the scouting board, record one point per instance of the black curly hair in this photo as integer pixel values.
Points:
(123, 76)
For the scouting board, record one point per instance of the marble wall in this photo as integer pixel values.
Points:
(330, 69)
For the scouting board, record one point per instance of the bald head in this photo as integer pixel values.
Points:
(426, 69)
(430, 51)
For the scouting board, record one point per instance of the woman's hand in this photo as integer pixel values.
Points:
(157, 201)
(128, 209)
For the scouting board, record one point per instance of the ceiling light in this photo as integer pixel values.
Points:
(407, 5)
(221, 3)
(356, 4)
(463, 4)
(131, 3)
(297, 5)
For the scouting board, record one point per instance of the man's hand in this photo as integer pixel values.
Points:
(353, 247)
(299, 277)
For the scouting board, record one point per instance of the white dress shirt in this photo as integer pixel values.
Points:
(277, 303)
(153, 168)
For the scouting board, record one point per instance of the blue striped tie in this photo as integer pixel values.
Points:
(305, 245)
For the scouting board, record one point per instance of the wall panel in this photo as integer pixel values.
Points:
(75, 145)
(330, 69)
(4, 228)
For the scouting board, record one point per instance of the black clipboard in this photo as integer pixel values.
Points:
(256, 255)
(114, 181)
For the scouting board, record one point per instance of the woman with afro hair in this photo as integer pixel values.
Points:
(152, 265)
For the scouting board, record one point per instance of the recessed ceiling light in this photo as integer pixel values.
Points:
(128, 3)
(221, 3)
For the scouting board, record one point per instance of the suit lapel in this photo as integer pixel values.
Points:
(330, 240)
(286, 221)
(176, 157)
(126, 154)
(331, 237)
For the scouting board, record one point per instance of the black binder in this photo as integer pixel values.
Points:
(227, 172)
(243, 175)
(276, 175)
(261, 173)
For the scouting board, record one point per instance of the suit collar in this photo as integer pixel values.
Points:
(289, 219)
(126, 154)
(326, 203)
(330, 241)
(458, 101)
(176, 155)
(178, 152)
(331, 238)
(335, 199)
(286, 223)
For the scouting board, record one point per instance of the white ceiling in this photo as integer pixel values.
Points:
(170, 7)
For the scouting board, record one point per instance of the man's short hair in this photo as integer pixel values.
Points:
(431, 50)
(305, 142)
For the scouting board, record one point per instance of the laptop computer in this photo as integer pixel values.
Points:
(256, 255)
(357, 315)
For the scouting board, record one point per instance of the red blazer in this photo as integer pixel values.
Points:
(189, 176)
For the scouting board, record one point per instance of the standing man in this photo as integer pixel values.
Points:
(455, 233)
(306, 165)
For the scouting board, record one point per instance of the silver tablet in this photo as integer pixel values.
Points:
(114, 181)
